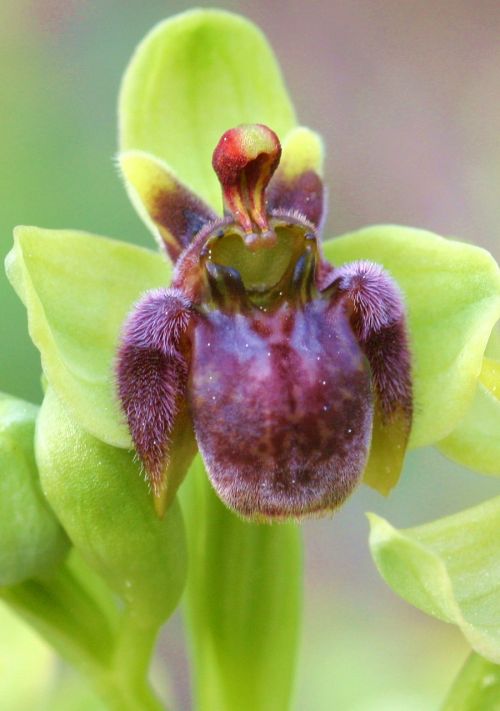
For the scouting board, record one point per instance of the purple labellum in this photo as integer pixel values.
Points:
(291, 389)
(292, 375)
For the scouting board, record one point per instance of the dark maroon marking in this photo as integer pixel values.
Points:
(253, 170)
(287, 324)
(259, 326)
(226, 286)
(182, 214)
(304, 194)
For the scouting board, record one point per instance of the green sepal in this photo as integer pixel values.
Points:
(243, 603)
(78, 289)
(475, 441)
(190, 79)
(449, 569)
(104, 504)
(162, 201)
(32, 541)
(303, 150)
(452, 292)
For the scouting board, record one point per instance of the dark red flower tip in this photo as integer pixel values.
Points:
(244, 160)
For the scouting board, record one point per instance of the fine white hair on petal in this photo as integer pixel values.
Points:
(374, 293)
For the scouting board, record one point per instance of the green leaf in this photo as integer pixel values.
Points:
(77, 289)
(449, 569)
(193, 77)
(31, 540)
(243, 603)
(475, 442)
(477, 687)
(104, 504)
(452, 292)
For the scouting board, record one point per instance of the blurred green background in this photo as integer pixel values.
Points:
(406, 95)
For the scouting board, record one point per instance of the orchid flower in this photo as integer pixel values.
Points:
(276, 357)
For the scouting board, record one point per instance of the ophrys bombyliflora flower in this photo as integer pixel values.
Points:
(278, 364)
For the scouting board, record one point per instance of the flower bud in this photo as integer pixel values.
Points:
(31, 540)
(108, 513)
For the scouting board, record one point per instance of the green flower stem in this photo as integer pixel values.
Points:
(124, 685)
(477, 687)
(243, 604)
(65, 614)
(78, 616)
(120, 695)
(133, 651)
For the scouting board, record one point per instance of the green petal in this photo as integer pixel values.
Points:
(243, 604)
(32, 541)
(449, 569)
(475, 442)
(105, 507)
(193, 77)
(387, 451)
(77, 289)
(171, 211)
(452, 292)
(302, 151)
(490, 376)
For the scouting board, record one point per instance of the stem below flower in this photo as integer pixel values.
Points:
(133, 649)
(120, 695)
(78, 616)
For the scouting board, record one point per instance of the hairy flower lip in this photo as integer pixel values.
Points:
(271, 446)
